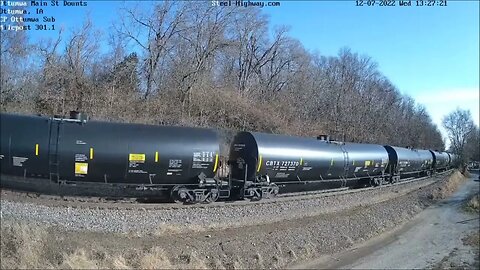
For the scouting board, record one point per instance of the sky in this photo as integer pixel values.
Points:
(428, 52)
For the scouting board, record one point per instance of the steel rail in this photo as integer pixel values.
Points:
(130, 204)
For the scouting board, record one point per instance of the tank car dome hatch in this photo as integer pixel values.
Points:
(323, 138)
(76, 115)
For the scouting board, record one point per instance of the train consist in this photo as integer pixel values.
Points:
(75, 156)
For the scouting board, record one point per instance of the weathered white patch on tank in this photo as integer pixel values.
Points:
(18, 161)
(282, 175)
(202, 159)
(80, 157)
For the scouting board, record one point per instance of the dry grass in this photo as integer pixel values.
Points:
(473, 205)
(22, 246)
(28, 246)
(155, 259)
(78, 260)
(449, 187)
(472, 239)
(169, 229)
(119, 263)
(164, 229)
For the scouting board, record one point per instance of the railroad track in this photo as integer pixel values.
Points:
(132, 204)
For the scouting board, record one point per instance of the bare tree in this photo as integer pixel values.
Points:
(472, 145)
(459, 125)
(197, 46)
(80, 52)
(249, 29)
(153, 33)
(51, 96)
(14, 53)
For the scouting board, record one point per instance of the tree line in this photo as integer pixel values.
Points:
(187, 63)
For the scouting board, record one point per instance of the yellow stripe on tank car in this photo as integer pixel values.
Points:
(156, 156)
(36, 149)
(91, 152)
(216, 163)
(259, 163)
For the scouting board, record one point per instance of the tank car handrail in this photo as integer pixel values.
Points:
(68, 120)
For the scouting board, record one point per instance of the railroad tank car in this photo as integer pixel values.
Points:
(23, 146)
(440, 160)
(455, 160)
(406, 162)
(289, 160)
(76, 150)
(427, 158)
(285, 158)
(365, 160)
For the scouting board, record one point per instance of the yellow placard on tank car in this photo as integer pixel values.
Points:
(81, 168)
(136, 157)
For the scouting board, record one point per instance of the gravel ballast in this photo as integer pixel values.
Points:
(148, 221)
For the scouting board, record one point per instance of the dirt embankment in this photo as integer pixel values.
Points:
(272, 245)
(450, 186)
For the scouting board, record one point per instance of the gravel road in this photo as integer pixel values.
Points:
(434, 235)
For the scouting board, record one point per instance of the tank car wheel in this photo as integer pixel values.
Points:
(179, 194)
(272, 191)
(212, 196)
(375, 182)
(255, 194)
(394, 179)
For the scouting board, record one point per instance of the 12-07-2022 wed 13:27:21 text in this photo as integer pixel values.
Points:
(405, 3)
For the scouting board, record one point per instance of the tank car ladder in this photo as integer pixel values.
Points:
(53, 138)
(345, 167)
